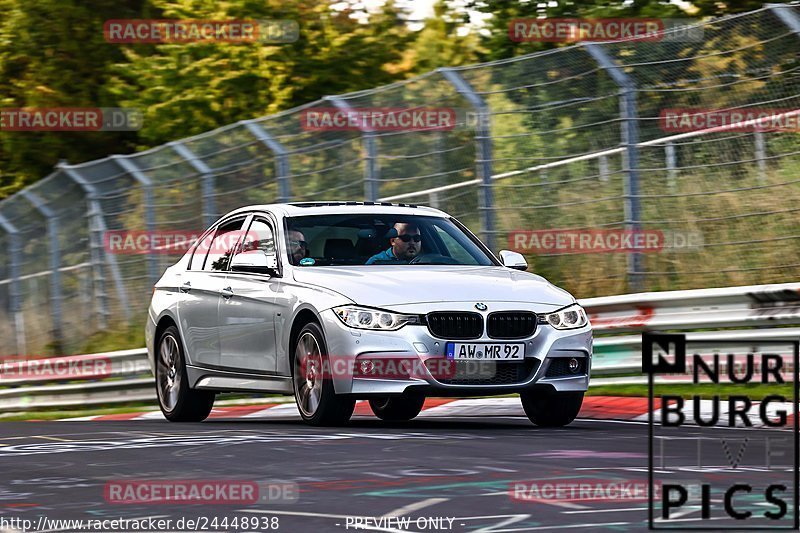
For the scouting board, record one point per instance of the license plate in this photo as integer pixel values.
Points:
(484, 351)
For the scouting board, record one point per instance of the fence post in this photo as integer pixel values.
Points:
(206, 177)
(483, 139)
(282, 169)
(55, 262)
(97, 230)
(440, 163)
(14, 290)
(149, 217)
(787, 14)
(372, 169)
(761, 157)
(630, 140)
(602, 165)
(672, 165)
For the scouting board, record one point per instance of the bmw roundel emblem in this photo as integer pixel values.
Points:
(481, 306)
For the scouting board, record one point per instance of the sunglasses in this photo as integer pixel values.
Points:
(302, 244)
(408, 238)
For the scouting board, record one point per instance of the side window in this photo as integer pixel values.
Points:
(221, 247)
(259, 237)
(199, 252)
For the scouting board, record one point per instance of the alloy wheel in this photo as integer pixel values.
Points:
(169, 375)
(308, 374)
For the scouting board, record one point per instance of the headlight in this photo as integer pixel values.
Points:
(568, 318)
(365, 318)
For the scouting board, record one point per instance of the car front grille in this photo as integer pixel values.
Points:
(486, 372)
(455, 324)
(559, 367)
(511, 324)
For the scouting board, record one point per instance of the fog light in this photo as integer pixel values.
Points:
(574, 365)
(367, 367)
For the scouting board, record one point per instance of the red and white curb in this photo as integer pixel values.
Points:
(594, 407)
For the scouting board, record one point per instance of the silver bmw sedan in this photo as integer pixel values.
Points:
(339, 301)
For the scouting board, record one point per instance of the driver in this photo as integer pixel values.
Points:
(405, 245)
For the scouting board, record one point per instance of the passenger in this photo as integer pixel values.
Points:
(298, 247)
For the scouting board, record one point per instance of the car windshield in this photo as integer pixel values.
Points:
(380, 239)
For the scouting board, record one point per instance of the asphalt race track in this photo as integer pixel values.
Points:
(444, 474)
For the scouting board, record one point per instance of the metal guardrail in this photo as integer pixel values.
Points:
(755, 306)
(729, 307)
(125, 377)
(128, 379)
(622, 354)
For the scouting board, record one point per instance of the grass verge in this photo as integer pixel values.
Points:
(705, 391)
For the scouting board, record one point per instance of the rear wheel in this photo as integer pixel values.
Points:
(317, 402)
(177, 401)
(397, 408)
(551, 409)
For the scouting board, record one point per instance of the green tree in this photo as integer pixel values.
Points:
(185, 89)
(53, 54)
(497, 44)
(440, 42)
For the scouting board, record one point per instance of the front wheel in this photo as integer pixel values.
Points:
(317, 402)
(177, 401)
(397, 409)
(551, 409)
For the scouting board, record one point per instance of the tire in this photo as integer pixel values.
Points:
(177, 401)
(551, 409)
(316, 400)
(397, 408)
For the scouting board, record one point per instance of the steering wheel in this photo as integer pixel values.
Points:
(433, 259)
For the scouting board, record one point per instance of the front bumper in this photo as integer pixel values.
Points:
(542, 353)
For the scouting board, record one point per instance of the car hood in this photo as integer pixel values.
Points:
(387, 285)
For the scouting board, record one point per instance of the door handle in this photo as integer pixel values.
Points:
(227, 293)
(186, 287)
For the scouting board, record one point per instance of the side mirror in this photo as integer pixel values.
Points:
(256, 261)
(513, 260)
